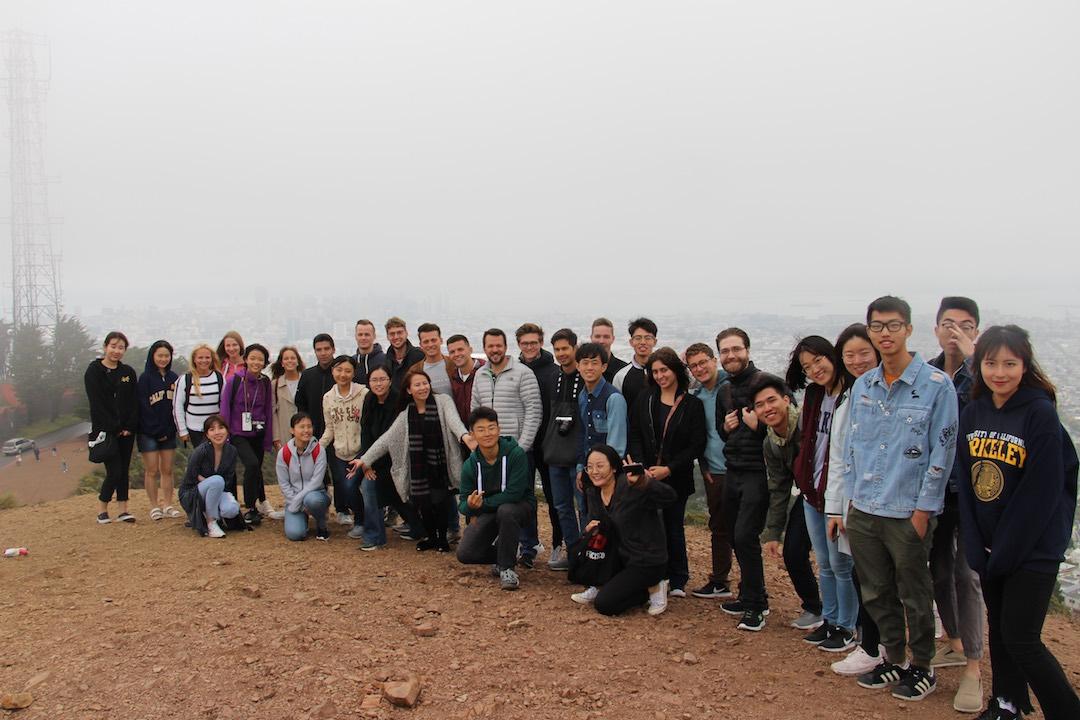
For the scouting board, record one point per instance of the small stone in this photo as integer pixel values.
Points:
(690, 658)
(370, 702)
(220, 624)
(326, 710)
(424, 630)
(403, 693)
(251, 591)
(16, 701)
(515, 624)
(158, 668)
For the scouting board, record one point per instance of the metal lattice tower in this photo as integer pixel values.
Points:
(35, 268)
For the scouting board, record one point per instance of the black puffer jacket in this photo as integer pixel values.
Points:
(742, 446)
(546, 372)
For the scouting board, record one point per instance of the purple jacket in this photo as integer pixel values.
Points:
(242, 395)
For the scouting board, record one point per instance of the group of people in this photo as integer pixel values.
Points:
(912, 482)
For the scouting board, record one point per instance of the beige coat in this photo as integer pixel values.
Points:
(284, 409)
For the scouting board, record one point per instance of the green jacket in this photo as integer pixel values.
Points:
(504, 481)
(780, 454)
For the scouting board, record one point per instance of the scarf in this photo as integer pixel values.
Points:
(427, 460)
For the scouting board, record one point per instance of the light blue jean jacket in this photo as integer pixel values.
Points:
(901, 441)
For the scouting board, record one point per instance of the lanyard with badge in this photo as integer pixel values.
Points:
(247, 424)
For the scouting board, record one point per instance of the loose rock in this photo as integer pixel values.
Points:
(16, 701)
(403, 692)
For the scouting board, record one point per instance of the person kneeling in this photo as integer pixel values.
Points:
(497, 493)
(629, 503)
(211, 468)
(301, 465)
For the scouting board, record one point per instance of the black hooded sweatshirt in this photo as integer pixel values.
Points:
(1017, 484)
(113, 396)
(634, 513)
(315, 381)
(413, 355)
(367, 363)
(156, 397)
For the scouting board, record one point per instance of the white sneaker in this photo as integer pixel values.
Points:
(344, 519)
(658, 599)
(277, 515)
(214, 530)
(858, 662)
(586, 596)
(264, 507)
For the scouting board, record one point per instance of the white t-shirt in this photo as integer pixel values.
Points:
(824, 427)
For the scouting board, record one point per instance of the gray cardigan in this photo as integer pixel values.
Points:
(396, 442)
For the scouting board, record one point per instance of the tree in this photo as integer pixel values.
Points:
(71, 351)
(28, 369)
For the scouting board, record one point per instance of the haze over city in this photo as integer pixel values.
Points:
(673, 158)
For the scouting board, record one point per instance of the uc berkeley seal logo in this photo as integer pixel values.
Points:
(987, 480)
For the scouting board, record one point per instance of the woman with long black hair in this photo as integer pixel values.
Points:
(667, 434)
(114, 419)
(248, 409)
(1017, 488)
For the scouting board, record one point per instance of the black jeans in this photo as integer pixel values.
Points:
(545, 483)
(116, 471)
(746, 503)
(1016, 608)
(195, 438)
(492, 537)
(629, 588)
(678, 565)
(434, 514)
(250, 450)
(797, 549)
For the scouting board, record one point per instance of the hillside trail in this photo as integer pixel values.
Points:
(150, 621)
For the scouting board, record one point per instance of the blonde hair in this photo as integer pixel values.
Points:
(215, 365)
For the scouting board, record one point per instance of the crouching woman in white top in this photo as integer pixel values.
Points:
(301, 465)
(211, 468)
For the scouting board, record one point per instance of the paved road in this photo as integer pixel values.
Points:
(45, 442)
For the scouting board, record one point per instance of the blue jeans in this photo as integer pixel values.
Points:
(839, 600)
(316, 502)
(216, 502)
(348, 488)
(374, 530)
(564, 493)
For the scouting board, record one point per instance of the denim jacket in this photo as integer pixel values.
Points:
(603, 419)
(901, 441)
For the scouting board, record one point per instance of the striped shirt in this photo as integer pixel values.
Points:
(199, 407)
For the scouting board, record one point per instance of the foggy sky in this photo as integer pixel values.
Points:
(671, 155)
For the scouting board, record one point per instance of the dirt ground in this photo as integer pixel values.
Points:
(151, 621)
(42, 480)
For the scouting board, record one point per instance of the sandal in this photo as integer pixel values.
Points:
(172, 512)
(156, 514)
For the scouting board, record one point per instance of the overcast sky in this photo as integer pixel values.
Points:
(670, 155)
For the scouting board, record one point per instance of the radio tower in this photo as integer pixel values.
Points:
(35, 271)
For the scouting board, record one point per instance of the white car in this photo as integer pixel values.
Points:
(17, 446)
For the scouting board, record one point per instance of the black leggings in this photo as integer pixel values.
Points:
(250, 450)
(116, 471)
(1016, 608)
(629, 588)
(434, 515)
(797, 549)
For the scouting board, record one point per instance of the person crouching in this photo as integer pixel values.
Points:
(301, 465)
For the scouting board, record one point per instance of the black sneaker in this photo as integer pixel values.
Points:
(322, 534)
(712, 590)
(819, 635)
(839, 640)
(752, 620)
(737, 607)
(103, 518)
(884, 675)
(916, 684)
(996, 712)
(125, 517)
(425, 545)
(526, 561)
(252, 517)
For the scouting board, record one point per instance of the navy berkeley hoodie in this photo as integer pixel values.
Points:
(1017, 484)
(156, 397)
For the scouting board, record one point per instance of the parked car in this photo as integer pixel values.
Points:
(17, 446)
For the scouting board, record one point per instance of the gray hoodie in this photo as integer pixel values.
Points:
(298, 473)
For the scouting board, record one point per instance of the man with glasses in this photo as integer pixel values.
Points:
(957, 589)
(746, 491)
(530, 342)
(634, 378)
(704, 367)
(898, 452)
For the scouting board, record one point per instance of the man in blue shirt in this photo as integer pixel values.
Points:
(703, 365)
(602, 407)
(898, 452)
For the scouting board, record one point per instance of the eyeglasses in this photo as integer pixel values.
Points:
(528, 343)
(373, 380)
(593, 469)
(642, 338)
(816, 362)
(893, 325)
(966, 326)
(697, 365)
